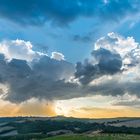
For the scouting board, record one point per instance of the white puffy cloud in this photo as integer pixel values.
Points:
(58, 56)
(113, 68)
(18, 49)
(111, 54)
(116, 71)
(128, 48)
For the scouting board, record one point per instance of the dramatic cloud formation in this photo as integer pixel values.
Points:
(61, 12)
(111, 54)
(107, 63)
(108, 71)
(118, 70)
(43, 77)
(128, 49)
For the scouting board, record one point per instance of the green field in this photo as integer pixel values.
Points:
(97, 137)
(74, 137)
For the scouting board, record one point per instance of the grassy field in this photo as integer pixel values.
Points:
(97, 137)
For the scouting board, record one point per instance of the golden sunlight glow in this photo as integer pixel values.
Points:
(104, 113)
(31, 108)
(94, 107)
(88, 107)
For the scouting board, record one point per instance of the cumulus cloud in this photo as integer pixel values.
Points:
(46, 78)
(62, 12)
(105, 72)
(127, 48)
(18, 49)
(42, 77)
(113, 74)
(111, 54)
(104, 63)
(57, 56)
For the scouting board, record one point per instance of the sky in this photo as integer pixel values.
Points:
(76, 58)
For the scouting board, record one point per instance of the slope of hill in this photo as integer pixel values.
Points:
(52, 126)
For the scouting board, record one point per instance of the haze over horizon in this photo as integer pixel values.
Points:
(78, 58)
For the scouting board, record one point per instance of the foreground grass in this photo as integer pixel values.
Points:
(97, 137)
(24, 137)
(74, 137)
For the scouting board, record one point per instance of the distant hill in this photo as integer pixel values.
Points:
(11, 126)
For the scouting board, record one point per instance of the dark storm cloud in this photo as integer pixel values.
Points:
(61, 12)
(45, 78)
(106, 63)
(51, 78)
